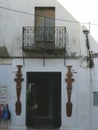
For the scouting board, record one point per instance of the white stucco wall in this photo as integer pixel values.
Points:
(81, 92)
(22, 14)
(84, 113)
(84, 116)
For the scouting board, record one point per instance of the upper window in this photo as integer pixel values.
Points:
(45, 26)
(44, 16)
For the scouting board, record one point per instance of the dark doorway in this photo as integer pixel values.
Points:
(43, 99)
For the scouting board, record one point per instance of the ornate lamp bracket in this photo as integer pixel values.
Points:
(69, 81)
(18, 80)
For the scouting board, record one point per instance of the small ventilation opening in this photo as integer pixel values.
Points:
(95, 98)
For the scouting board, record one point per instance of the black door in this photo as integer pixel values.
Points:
(43, 99)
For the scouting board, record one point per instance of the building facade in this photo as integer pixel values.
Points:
(48, 65)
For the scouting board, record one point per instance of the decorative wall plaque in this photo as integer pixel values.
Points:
(69, 81)
(3, 94)
(18, 80)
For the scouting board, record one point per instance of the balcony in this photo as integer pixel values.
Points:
(50, 41)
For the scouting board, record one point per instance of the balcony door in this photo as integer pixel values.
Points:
(45, 26)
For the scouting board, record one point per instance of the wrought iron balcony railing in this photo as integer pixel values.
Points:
(45, 38)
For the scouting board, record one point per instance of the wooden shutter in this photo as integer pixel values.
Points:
(44, 17)
(45, 25)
